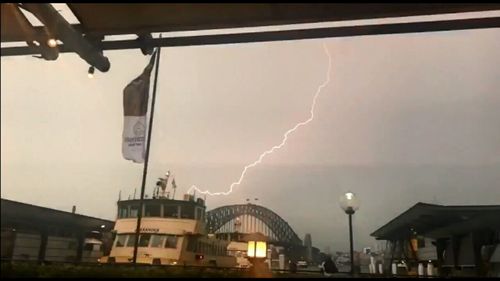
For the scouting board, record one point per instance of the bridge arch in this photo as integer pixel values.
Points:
(282, 231)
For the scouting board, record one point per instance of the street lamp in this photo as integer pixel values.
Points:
(248, 200)
(350, 204)
(257, 245)
(257, 249)
(257, 253)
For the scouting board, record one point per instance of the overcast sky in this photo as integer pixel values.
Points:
(405, 119)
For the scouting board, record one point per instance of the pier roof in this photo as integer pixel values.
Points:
(26, 216)
(439, 221)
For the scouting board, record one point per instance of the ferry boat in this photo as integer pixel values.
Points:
(172, 232)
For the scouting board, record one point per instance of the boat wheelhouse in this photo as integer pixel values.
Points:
(172, 232)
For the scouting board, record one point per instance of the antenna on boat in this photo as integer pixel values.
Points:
(159, 184)
(174, 187)
(163, 183)
(135, 189)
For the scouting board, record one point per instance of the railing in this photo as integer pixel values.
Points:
(114, 265)
(204, 268)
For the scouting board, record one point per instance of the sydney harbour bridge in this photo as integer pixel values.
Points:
(232, 221)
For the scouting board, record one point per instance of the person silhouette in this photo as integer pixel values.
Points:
(328, 266)
(293, 266)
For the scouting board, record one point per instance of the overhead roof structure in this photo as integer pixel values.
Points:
(436, 221)
(115, 19)
(99, 20)
(22, 215)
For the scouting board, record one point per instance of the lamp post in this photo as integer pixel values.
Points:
(257, 254)
(350, 204)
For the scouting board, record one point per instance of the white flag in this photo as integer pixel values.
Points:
(135, 107)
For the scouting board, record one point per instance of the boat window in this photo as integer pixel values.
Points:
(157, 240)
(120, 240)
(144, 240)
(123, 212)
(199, 214)
(61, 232)
(191, 246)
(421, 242)
(131, 240)
(187, 212)
(170, 211)
(88, 247)
(134, 210)
(152, 210)
(171, 241)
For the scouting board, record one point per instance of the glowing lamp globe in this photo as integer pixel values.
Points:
(256, 245)
(257, 249)
(52, 42)
(349, 202)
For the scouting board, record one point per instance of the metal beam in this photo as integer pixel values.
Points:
(32, 34)
(269, 36)
(72, 39)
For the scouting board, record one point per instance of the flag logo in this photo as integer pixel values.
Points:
(135, 108)
(139, 129)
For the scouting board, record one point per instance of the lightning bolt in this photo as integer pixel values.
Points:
(285, 136)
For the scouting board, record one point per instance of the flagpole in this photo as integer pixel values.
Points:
(146, 158)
